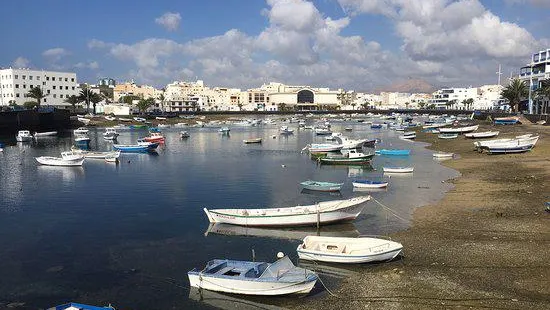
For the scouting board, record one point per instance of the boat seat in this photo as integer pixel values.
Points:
(225, 270)
(336, 248)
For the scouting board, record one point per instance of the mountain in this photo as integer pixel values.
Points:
(408, 86)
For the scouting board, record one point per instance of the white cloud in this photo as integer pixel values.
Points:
(94, 43)
(55, 54)
(92, 65)
(21, 62)
(170, 21)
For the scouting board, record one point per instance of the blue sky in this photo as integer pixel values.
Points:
(351, 44)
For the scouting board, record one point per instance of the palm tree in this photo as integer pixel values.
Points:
(73, 100)
(95, 98)
(144, 104)
(515, 93)
(162, 99)
(36, 93)
(353, 104)
(84, 96)
(240, 105)
(543, 93)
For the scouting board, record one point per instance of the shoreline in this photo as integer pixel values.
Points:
(485, 244)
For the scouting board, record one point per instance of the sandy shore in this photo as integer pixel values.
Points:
(485, 245)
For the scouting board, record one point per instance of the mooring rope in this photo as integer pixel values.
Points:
(389, 210)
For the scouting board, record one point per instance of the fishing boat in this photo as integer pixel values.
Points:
(448, 136)
(348, 250)
(390, 169)
(77, 306)
(443, 155)
(135, 147)
(45, 134)
(155, 137)
(321, 213)
(252, 140)
(60, 161)
(484, 134)
(350, 157)
(80, 131)
(506, 120)
(321, 186)
(369, 184)
(409, 135)
(458, 129)
(184, 135)
(110, 134)
(253, 278)
(23, 136)
(394, 152)
(316, 148)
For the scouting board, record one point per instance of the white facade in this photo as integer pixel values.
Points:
(535, 73)
(488, 97)
(452, 98)
(57, 86)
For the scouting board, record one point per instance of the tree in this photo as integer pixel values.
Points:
(281, 107)
(84, 96)
(240, 105)
(407, 105)
(541, 94)
(144, 104)
(353, 104)
(468, 102)
(36, 93)
(72, 100)
(421, 104)
(162, 99)
(515, 93)
(129, 99)
(95, 98)
(30, 105)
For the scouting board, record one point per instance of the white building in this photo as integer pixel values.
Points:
(452, 98)
(57, 86)
(301, 97)
(536, 73)
(488, 97)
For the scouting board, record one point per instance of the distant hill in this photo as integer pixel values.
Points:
(408, 86)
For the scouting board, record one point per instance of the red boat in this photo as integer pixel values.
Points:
(155, 137)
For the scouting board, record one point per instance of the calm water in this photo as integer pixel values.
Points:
(127, 234)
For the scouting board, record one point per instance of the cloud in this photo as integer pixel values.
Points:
(21, 62)
(94, 43)
(55, 54)
(92, 65)
(170, 21)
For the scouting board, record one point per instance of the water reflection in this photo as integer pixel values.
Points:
(340, 230)
(227, 301)
(54, 173)
(370, 190)
(321, 193)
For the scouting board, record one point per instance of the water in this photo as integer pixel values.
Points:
(127, 234)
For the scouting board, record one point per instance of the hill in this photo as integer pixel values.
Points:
(408, 86)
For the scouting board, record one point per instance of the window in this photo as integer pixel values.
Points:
(16, 85)
(24, 85)
(44, 99)
(66, 79)
(37, 78)
(30, 77)
(54, 95)
(47, 78)
(44, 83)
(16, 76)
(16, 95)
(66, 87)
(60, 96)
(48, 91)
(23, 77)
(30, 86)
(53, 87)
(73, 87)
(72, 79)
(53, 78)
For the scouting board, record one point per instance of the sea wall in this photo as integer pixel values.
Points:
(34, 120)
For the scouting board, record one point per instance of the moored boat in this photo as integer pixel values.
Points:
(23, 136)
(448, 136)
(464, 129)
(80, 131)
(184, 135)
(59, 161)
(110, 134)
(394, 152)
(322, 186)
(369, 184)
(135, 147)
(348, 250)
(286, 130)
(252, 140)
(322, 131)
(253, 278)
(77, 306)
(484, 134)
(350, 157)
(45, 134)
(320, 213)
(391, 169)
(155, 137)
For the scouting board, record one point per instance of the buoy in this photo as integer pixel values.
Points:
(283, 166)
(280, 255)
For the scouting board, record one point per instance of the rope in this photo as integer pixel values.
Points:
(389, 210)
(323, 283)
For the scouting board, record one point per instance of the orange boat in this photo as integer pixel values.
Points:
(155, 137)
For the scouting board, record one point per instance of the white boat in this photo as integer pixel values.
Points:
(110, 118)
(348, 143)
(286, 130)
(45, 134)
(80, 131)
(514, 146)
(323, 147)
(82, 139)
(252, 140)
(322, 131)
(398, 169)
(458, 129)
(484, 134)
(160, 118)
(320, 213)
(443, 155)
(333, 136)
(122, 119)
(84, 120)
(23, 136)
(140, 119)
(348, 250)
(93, 155)
(57, 161)
(184, 135)
(110, 134)
(253, 278)
(448, 136)
(409, 135)
(369, 184)
(72, 155)
(487, 143)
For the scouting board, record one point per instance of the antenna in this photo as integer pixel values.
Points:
(499, 73)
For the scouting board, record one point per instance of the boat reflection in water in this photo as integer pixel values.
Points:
(321, 193)
(339, 230)
(66, 174)
(369, 190)
(228, 301)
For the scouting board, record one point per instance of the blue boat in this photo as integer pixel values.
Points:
(376, 126)
(77, 306)
(393, 152)
(506, 120)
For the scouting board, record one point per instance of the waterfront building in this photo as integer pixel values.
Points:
(488, 98)
(535, 74)
(131, 89)
(451, 98)
(193, 96)
(303, 98)
(57, 86)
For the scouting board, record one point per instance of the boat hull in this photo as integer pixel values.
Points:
(323, 187)
(55, 161)
(347, 259)
(370, 185)
(398, 170)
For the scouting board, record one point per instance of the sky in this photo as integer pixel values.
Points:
(351, 44)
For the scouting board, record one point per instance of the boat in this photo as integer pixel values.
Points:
(77, 306)
(60, 161)
(142, 126)
(45, 134)
(458, 129)
(390, 169)
(484, 134)
(321, 186)
(140, 119)
(511, 120)
(252, 140)
(315, 148)
(110, 118)
(409, 135)
(369, 184)
(184, 135)
(81, 131)
(448, 136)
(286, 130)
(333, 136)
(253, 278)
(160, 118)
(111, 159)
(443, 155)
(93, 155)
(82, 139)
(84, 120)
(351, 157)
(110, 134)
(348, 129)
(503, 143)
(155, 137)
(393, 152)
(348, 250)
(375, 126)
(224, 130)
(518, 146)
(135, 147)
(322, 131)
(123, 119)
(23, 136)
(321, 213)
(1, 147)
(348, 143)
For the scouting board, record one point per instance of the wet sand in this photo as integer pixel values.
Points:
(486, 244)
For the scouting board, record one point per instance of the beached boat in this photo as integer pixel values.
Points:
(321, 186)
(409, 135)
(252, 140)
(369, 184)
(77, 306)
(348, 250)
(394, 152)
(110, 118)
(443, 155)
(458, 129)
(253, 278)
(503, 144)
(84, 120)
(81, 131)
(398, 169)
(506, 120)
(321, 213)
(482, 144)
(350, 157)
(60, 161)
(484, 134)
(23, 136)
(160, 118)
(45, 134)
(110, 134)
(517, 146)
(448, 136)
